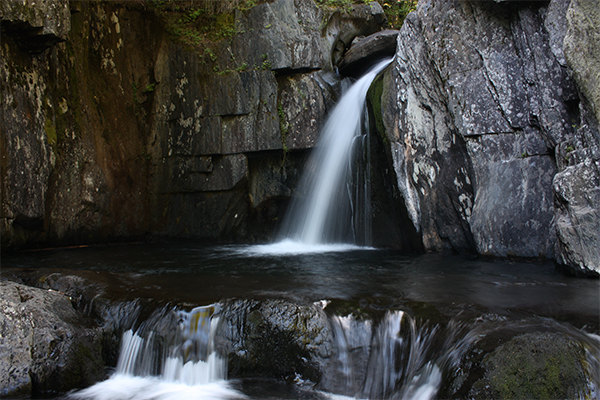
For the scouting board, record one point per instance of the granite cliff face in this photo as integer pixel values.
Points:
(493, 129)
(115, 127)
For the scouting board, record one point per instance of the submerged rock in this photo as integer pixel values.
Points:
(274, 338)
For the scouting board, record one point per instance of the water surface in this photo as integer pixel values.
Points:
(188, 272)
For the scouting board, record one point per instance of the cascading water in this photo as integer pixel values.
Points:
(396, 359)
(329, 208)
(170, 356)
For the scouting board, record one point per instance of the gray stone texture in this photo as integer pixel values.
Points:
(485, 109)
(273, 338)
(365, 50)
(45, 345)
(577, 184)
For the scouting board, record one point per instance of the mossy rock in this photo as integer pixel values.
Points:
(534, 366)
(274, 339)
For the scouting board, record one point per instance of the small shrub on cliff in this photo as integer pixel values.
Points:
(397, 10)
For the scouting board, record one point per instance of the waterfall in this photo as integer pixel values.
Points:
(188, 356)
(170, 356)
(328, 208)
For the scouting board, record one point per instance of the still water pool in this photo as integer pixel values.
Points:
(197, 274)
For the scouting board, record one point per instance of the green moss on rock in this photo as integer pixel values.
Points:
(50, 132)
(534, 366)
(374, 104)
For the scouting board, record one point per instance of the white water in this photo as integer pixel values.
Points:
(401, 361)
(399, 364)
(312, 218)
(288, 247)
(191, 369)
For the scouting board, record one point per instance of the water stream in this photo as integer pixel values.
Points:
(401, 326)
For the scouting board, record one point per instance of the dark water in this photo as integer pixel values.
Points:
(196, 274)
(430, 287)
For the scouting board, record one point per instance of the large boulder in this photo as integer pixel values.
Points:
(46, 345)
(366, 50)
(274, 338)
(539, 365)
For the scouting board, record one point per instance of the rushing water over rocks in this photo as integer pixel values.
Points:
(315, 316)
(170, 356)
(355, 323)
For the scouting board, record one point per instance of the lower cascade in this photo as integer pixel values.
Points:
(170, 356)
(178, 354)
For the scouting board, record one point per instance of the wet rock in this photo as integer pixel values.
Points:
(46, 345)
(581, 38)
(274, 338)
(577, 183)
(537, 366)
(304, 102)
(434, 173)
(577, 194)
(391, 222)
(105, 139)
(27, 157)
(283, 33)
(364, 51)
(343, 27)
(265, 90)
(203, 174)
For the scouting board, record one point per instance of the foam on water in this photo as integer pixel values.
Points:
(189, 368)
(294, 247)
(129, 387)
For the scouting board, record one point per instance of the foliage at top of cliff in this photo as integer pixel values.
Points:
(395, 10)
(199, 21)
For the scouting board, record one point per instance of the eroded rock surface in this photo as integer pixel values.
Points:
(275, 338)
(116, 127)
(480, 114)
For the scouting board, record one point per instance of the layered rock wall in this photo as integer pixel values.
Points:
(489, 114)
(115, 127)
